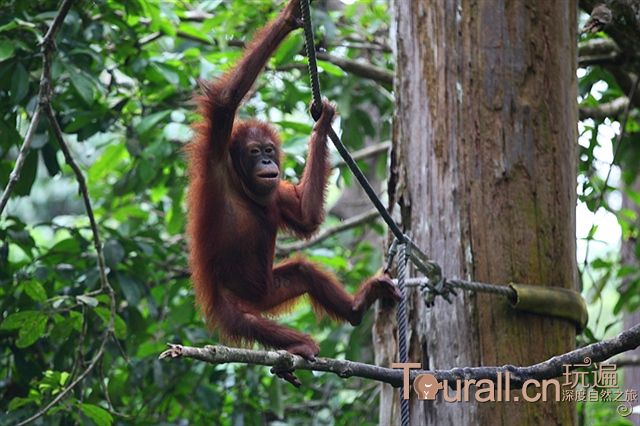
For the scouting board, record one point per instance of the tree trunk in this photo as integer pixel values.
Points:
(485, 174)
(629, 258)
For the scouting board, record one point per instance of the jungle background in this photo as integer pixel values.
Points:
(123, 79)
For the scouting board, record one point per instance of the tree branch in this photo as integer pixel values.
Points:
(196, 16)
(361, 69)
(366, 152)
(363, 45)
(14, 177)
(150, 38)
(47, 48)
(82, 184)
(72, 385)
(44, 104)
(358, 68)
(611, 109)
(352, 222)
(284, 361)
(598, 51)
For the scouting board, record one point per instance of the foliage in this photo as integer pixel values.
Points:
(601, 187)
(610, 277)
(123, 78)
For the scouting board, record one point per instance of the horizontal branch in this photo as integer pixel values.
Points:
(611, 109)
(598, 51)
(196, 16)
(150, 38)
(366, 152)
(361, 69)
(358, 68)
(284, 361)
(367, 46)
(352, 222)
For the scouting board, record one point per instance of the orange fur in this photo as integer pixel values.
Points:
(233, 215)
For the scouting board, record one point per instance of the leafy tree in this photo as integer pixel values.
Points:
(123, 76)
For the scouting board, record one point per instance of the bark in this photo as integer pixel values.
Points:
(484, 169)
(629, 258)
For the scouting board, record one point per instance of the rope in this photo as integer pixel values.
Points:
(434, 283)
(316, 110)
(402, 325)
(478, 287)
(316, 105)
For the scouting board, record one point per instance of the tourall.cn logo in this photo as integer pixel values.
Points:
(587, 381)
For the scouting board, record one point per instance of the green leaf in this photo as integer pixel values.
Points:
(28, 175)
(288, 50)
(31, 330)
(8, 26)
(19, 402)
(294, 125)
(9, 133)
(50, 159)
(147, 171)
(331, 69)
(175, 218)
(120, 328)
(17, 319)
(19, 83)
(83, 85)
(119, 325)
(196, 33)
(131, 289)
(98, 415)
(150, 348)
(600, 263)
(151, 121)
(65, 326)
(64, 376)
(168, 73)
(35, 290)
(6, 49)
(113, 252)
(68, 245)
(105, 164)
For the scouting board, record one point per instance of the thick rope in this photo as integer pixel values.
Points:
(478, 287)
(316, 105)
(403, 325)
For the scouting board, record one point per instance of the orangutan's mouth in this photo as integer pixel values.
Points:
(268, 175)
